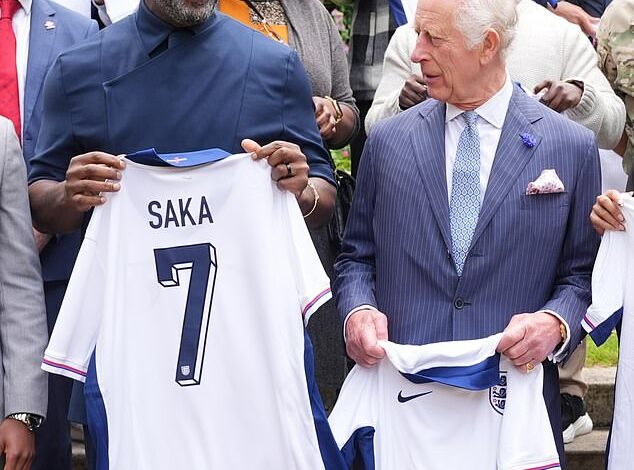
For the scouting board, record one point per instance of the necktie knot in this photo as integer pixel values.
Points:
(470, 117)
(8, 8)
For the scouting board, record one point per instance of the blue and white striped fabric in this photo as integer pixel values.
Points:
(453, 405)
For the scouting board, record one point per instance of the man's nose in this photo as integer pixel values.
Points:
(420, 52)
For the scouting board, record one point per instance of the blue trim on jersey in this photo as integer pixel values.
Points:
(96, 414)
(358, 451)
(328, 448)
(602, 332)
(398, 12)
(186, 159)
(479, 376)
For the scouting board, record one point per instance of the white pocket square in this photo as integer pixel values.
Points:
(547, 183)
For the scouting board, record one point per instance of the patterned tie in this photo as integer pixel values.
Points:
(9, 97)
(464, 206)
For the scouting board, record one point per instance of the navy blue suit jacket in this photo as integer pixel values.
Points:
(221, 83)
(527, 253)
(45, 43)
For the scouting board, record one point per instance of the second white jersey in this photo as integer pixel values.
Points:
(192, 288)
(613, 301)
(444, 406)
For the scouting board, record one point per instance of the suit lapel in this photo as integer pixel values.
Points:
(41, 39)
(511, 156)
(428, 141)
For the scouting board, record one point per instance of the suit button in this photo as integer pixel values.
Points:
(458, 303)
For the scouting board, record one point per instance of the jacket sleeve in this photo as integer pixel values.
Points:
(23, 333)
(600, 110)
(355, 267)
(571, 293)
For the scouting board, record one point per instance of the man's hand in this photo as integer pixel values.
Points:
(17, 444)
(88, 176)
(606, 214)
(325, 115)
(363, 329)
(530, 338)
(576, 15)
(413, 92)
(559, 95)
(290, 168)
(41, 239)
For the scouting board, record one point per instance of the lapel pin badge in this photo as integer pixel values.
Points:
(528, 140)
(49, 24)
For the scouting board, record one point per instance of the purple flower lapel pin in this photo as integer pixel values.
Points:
(528, 140)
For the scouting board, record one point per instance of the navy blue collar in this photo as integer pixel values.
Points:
(154, 31)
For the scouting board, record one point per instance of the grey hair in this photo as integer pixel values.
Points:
(474, 17)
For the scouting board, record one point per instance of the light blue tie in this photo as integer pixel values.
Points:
(464, 206)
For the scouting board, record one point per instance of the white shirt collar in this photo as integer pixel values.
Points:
(493, 111)
(26, 5)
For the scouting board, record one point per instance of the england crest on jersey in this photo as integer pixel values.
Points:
(497, 393)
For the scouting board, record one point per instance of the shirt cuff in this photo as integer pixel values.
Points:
(356, 309)
(558, 355)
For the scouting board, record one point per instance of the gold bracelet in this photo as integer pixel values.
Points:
(315, 196)
(337, 107)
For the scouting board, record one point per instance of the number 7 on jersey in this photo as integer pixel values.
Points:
(201, 260)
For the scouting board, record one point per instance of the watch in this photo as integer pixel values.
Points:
(31, 421)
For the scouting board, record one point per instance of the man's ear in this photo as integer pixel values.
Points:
(490, 46)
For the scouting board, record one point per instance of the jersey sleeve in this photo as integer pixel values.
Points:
(353, 420)
(313, 285)
(608, 287)
(75, 334)
(526, 437)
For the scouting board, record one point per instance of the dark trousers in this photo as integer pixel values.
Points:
(552, 399)
(53, 443)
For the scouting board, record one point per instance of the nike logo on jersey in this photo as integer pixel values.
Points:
(402, 399)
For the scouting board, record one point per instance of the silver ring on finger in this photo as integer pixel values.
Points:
(289, 170)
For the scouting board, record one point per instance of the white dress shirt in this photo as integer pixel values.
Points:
(22, 28)
(491, 117)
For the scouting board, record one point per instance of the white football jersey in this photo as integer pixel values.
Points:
(613, 301)
(192, 289)
(444, 406)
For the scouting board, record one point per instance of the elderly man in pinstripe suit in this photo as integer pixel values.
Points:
(471, 210)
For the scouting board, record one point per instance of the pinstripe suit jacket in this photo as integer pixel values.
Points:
(23, 334)
(527, 253)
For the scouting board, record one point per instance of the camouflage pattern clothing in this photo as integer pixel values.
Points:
(615, 48)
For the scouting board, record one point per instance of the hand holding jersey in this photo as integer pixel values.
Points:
(606, 214)
(290, 170)
(88, 175)
(527, 340)
(93, 173)
(364, 329)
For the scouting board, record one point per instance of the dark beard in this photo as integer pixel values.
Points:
(182, 15)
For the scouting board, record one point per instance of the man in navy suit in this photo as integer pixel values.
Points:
(444, 241)
(42, 30)
(175, 76)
